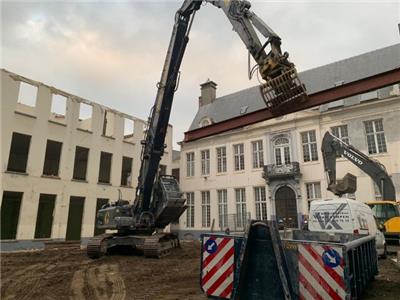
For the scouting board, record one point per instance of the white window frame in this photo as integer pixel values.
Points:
(260, 200)
(241, 209)
(190, 209)
(190, 159)
(238, 152)
(284, 151)
(221, 159)
(375, 134)
(377, 192)
(313, 190)
(341, 132)
(310, 146)
(205, 162)
(223, 208)
(205, 209)
(258, 154)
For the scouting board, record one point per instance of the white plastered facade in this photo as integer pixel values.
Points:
(42, 125)
(290, 126)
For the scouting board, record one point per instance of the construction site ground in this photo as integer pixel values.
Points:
(69, 274)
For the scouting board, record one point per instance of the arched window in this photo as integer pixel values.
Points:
(282, 151)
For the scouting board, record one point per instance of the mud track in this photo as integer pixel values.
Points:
(69, 274)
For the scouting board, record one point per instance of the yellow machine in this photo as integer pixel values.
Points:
(387, 214)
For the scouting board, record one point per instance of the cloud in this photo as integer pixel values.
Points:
(113, 53)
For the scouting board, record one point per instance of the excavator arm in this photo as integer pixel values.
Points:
(331, 146)
(158, 200)
(281, 88)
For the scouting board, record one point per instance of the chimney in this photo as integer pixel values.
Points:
(208, 92)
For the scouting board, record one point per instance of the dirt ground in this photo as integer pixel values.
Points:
(69, 274)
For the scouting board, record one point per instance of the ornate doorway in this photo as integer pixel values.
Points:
(286, 207)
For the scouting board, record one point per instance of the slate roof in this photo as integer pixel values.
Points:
(317, 79)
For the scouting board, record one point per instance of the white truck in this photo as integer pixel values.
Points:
(343, 215)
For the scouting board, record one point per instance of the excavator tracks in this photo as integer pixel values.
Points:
(97, 246)
(159, 245)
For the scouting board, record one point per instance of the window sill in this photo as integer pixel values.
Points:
(104, 183)
(128, 142)
(10, 240)
(125, 186)
(239, 172)
(189, 177)
(58, 123)
(25, 114)
(309, 163)
(222, 174)
(79, 180)
(50, 176)
(42, 239)
(382, 154)
(108, 137)
(17, 173)
(257, 169)
(84, 130)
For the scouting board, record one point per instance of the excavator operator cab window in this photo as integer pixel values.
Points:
(384, 212)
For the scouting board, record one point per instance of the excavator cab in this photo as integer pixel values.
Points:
(169, 203)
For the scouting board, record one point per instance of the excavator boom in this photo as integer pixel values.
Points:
(331, 147)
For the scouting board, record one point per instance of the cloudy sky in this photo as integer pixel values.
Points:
(112, 52)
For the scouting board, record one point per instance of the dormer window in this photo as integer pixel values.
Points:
(205, 122)
(243, 109)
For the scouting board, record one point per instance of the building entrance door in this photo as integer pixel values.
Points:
(286, 207)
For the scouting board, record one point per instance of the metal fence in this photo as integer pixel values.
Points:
(233, 223)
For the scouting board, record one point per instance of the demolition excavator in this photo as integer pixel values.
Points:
(158, 200)
(387, 212)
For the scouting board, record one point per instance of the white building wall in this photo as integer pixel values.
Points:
(40, 124)
(293, 125)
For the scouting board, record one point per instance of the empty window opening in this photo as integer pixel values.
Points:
(19, 152)
(80, 163)
(58, 108)
(129, 127)
(27, 98)
(52, 158)
(163, 170)
(99, 205)
(175, 173)
(126, 173)
(75, 214)
(85, 116)
(108, 123)
(44, 219)
(10, 208)
(105, 167)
